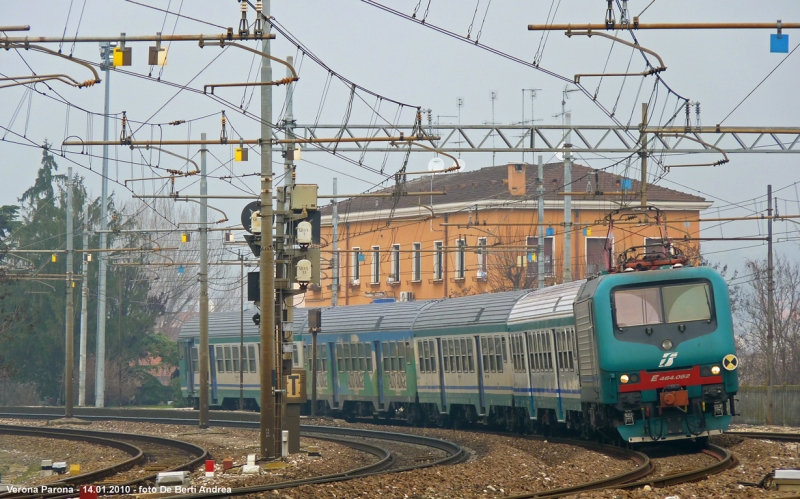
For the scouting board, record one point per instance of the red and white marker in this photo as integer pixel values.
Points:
(209, 468)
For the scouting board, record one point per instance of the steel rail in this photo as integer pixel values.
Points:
(726, 460)
(136, 453)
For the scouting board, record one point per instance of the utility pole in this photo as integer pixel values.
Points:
(770, 311)
(643, 154)
(241, 331)
(106, 50)
(533, 120)
(267, 262)
(203, 419)
(70, 314)
(568, 200)
(84, 309)
(335, 221)
(540, 242)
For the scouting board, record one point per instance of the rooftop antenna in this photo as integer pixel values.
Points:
(532, 120)
(459, 104)
(494, 98)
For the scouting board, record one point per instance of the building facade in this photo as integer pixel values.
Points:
(480, 236)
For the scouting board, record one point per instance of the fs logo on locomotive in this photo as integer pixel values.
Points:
(667, 359)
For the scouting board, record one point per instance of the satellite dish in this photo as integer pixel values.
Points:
(435, 165)
(460, 163)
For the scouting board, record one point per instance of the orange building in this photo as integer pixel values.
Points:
(481, 235)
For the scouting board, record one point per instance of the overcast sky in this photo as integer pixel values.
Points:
(412, 64)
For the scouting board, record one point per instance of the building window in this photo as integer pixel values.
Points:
(376, 265)
(482, 258)
(438, 260)
(357, 258)
(533, 256)
(595, 255)
(416, 271)
(461, 263)
(395, 276)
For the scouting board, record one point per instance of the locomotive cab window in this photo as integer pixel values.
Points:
(662, 305)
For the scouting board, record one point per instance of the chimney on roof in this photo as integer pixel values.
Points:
(516, 179)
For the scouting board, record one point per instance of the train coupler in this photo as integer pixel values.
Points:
(718, 409)
(628, 418)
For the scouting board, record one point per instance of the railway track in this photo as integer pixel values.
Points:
(149, 454)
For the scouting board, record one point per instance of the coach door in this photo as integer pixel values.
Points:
(334, 373)
(479, 348)
(379, 372)
(442, 388)
(557, 364)
(213, 371)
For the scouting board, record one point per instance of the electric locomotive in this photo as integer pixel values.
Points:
(640, 356)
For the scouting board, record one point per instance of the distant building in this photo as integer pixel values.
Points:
(481, 236)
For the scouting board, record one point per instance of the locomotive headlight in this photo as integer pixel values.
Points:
(666, 345)
(715, 370)
(624, 378)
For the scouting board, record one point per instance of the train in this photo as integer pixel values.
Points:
(632, 356)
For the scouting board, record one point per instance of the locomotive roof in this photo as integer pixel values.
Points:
(552, 300)
(374, 317)
(474, 310)
(221, 324)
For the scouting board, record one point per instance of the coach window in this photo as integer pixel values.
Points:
(339, 358)
(393, 355)
(385, 355)
(368, 353)
(499, 353)
(362, 361)
(445, 358)
(194, 359)
(251, 357)
(492, 356)
(235, 351)
(220, 361)
(505, 355)
(348, 365)
(452, 350)
(401, 357)
(421, 355)
(228, 367)
(485, 353)
(470, 358)
(457, 344)
(463, 354)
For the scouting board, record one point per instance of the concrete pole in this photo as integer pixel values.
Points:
(84, 310)
(770, 312)
(70, 314)
(241, 331)
(568, 201)
(267, 263)
(335, 221)
(540, 242)
(203, 290)
(100, 366)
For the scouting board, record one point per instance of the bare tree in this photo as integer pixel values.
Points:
(509, 270)
(752, 319)
(174, 273)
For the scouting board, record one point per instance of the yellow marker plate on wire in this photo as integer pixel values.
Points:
(730, 362)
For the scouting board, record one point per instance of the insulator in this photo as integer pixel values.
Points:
(223, 134)
(244, 28)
